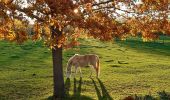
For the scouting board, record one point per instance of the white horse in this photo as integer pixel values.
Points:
(79, 61)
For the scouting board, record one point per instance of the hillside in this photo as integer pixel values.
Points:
(127, 68)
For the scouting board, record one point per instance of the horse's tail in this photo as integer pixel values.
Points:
(98, 67)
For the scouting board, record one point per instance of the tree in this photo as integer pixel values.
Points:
(102, 19)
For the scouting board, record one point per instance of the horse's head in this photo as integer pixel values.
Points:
(70, 63)
(68, 71)
(68, 74)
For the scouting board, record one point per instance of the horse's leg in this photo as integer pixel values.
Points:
(95, 68)
(75, 71)
(92, 69)
(80, 72)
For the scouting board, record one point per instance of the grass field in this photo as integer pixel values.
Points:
(127, 68)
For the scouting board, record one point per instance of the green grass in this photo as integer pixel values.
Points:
(127, 68)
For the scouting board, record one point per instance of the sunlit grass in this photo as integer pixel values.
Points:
(127, 68)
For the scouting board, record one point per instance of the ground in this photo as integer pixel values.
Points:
(127, 68)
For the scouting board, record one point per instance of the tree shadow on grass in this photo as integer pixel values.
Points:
(151, 47)
(103, 95)
(164, 95)
(161, 96)
(67, 87)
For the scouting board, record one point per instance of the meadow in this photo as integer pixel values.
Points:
(128, 68)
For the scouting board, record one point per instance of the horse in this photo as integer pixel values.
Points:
(78, 61)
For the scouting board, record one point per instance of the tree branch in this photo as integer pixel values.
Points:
(97, 4)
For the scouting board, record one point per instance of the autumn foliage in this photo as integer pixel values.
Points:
(99, 19)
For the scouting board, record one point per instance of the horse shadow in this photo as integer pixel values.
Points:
(77, 89)
(103, 95)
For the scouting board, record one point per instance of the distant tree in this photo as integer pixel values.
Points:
(102, 19)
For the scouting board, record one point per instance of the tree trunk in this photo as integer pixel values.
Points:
(57, 68)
